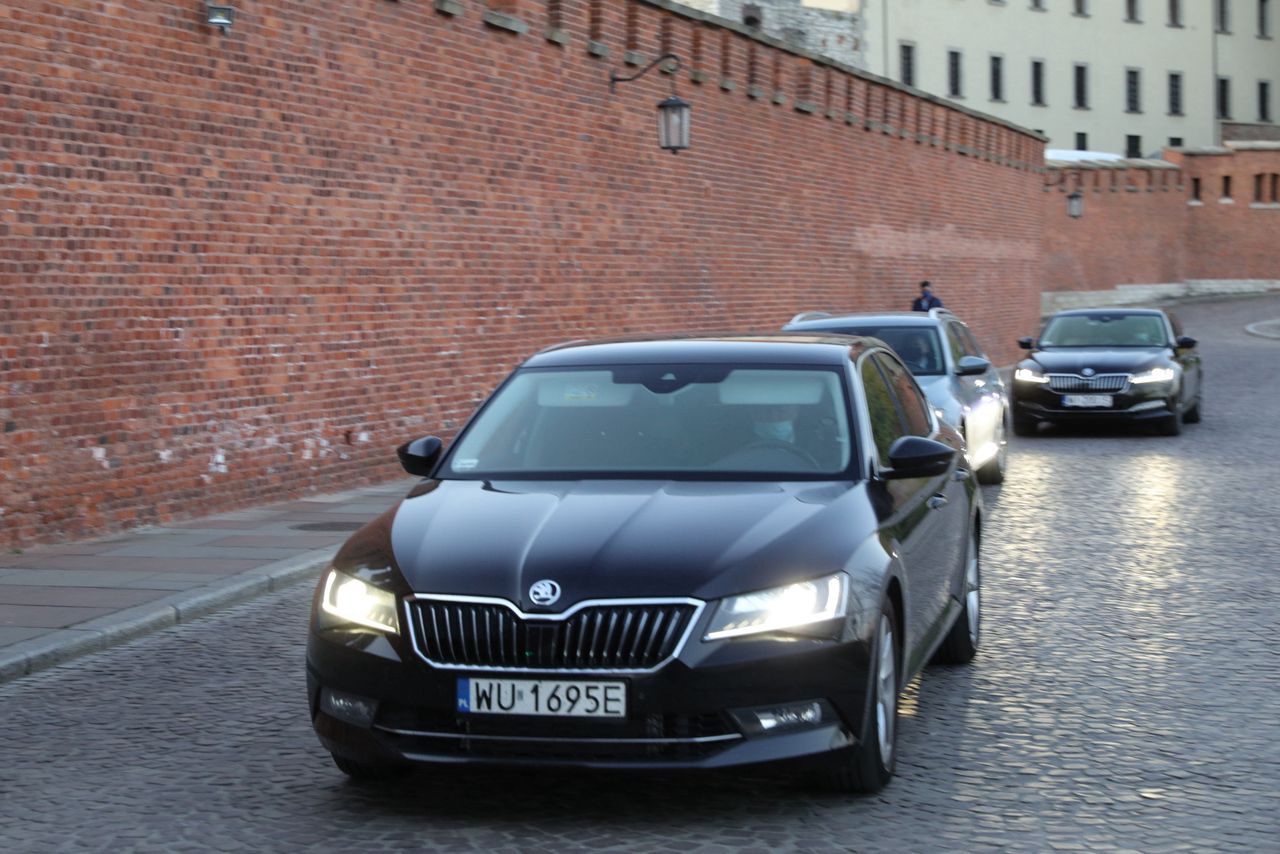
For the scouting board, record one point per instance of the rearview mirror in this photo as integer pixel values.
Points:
(1027, 343)
(1186, 342)
(916, 456)
(420, 456)
(970, 365)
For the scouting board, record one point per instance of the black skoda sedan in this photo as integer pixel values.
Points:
(689, 553)
(1127, 364)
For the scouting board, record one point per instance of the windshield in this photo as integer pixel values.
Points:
(917, 346)
(661, 421)
(1104, 330)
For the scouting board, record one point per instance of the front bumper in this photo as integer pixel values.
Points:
(1135, 403)
(677, 717)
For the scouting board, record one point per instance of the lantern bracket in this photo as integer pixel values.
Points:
(615, 78)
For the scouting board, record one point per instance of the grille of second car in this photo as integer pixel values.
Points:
(1101, 382)
(600, 637)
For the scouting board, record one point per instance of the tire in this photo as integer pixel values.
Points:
(1170, 425)
(992, 471)
(961, 643)
(368, 773)
(1024, 426)
(869, 766)
(1192, 415)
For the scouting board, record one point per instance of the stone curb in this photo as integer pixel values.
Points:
(1264, 329)
(101, 633)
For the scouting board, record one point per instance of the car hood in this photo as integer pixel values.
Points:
(1120, 360)
(622, 539)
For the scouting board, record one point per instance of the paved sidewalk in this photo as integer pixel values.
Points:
(59, 602)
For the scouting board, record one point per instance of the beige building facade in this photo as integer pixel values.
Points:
(1123, 76)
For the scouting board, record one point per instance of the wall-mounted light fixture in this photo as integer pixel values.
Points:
(1075, 204)
(219, 15)
(673, 112)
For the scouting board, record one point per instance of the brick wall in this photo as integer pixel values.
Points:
(1134, 217)
(241, 267)
(1235, 233)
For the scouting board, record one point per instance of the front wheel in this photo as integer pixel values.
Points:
(992, 471)
(1192, 415)
(869, 766)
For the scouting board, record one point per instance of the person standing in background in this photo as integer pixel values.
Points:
(926, 300)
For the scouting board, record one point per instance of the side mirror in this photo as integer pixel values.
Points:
(1186, 342)
(420, 456)
(916, 456)
(970, 365)
(1027, 343)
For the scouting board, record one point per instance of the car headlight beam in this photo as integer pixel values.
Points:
(354, 601)
(1028, 375)
(780, 608)
(1155, 375)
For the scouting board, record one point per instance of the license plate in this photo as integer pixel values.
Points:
(1087, 400)
(552, 697)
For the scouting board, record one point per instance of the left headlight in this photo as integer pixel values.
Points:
(780, 608)
(354, 601)
(1155, 375)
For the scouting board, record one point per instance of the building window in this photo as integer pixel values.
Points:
(1264, 19)
(1222, 15)
(997, 78)
(1175, 13)
(1195, 189)
(1082, 87)
(1038, 5)
(907, 63)
(1175, 142)
(1132, 146)
(1132, 90)
(1224, 98)
(1226, 187)
(1081, 8)
(1175, 94)
(1037, 83)
(955, 85)
(1275, 188)
(1259, 184)
(1082, 141)
(1264, 101)
(1131, 11)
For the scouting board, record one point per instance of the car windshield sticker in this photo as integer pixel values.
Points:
(465, 464)
(586, 391)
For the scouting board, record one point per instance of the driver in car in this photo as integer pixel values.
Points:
(774, 423)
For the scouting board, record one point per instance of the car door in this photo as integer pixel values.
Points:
(918, 511)
(976, 392)
(1189, 359)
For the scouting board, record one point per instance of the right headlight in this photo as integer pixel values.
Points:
(1029, 375)
(780, 608)
(351, 600)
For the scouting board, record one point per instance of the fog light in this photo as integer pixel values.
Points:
(793, 716)
(354, 710)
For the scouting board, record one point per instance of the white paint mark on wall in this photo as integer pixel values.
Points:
(165, 455)
(100, 454)
(218, 462)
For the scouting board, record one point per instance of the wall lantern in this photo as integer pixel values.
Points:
(1075, 204)
(219, 15)
(673, 112)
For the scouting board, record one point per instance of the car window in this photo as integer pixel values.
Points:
(1104, 329)
(660, 420)
(882, 412)
(913, 405)
(917, 345)
(971, 347)
(955, 343)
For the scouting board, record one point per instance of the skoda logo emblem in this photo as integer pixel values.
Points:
(544, 592)
(1088, 372)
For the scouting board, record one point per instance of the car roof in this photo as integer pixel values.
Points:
(884, 318)
(1109, 310)
(765, 348)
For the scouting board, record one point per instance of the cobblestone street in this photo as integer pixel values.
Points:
(1124, 698)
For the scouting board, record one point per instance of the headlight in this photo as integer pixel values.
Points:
(780, 608)
(1027, 375)
(354, 601)
(1155, 375)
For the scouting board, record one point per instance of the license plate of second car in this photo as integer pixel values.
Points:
(1093, 401)
(554, 697)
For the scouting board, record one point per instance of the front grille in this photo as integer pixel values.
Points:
(1101, 382)
(597, 637)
